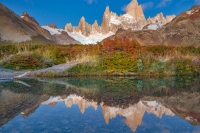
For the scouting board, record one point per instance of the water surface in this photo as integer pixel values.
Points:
(100, 105)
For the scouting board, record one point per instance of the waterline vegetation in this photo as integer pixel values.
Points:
(119, 57)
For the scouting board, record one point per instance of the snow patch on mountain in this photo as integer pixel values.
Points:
(114, 20)
(189, 12)
(52, 30)
(155, 26)
(91, 39)
(128, 19)
(128, 16)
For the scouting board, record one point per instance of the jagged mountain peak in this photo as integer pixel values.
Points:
(52, 25)
(84, 27)
(183, 30)
(82, 18)
(27, 17)
(24, 13)
(159, 18)
(135, 10)
(69, 27)
(134, 19)
(95, 23)
(107, 9)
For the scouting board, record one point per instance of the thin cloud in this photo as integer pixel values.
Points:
(123, 8)
(163, 3)
(147, 5)
(197, 2)
(29, 1)
(91, 1)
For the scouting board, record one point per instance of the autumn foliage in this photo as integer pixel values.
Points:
(113, 55)
(124, 44)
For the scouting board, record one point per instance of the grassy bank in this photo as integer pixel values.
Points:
(174, 62)
(128, 58)
(119, 57)
(36, 56)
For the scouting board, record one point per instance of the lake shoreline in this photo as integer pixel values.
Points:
(61, 71)
(53, 74)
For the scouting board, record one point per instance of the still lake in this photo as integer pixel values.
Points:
(104, 105)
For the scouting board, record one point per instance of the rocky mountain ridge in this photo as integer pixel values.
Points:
(25, 28)
(133, 19)
(12, 27)
(183, 30)
(31, 22)
(61, 37)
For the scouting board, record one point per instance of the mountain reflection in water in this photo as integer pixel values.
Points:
(133, 114)
(129, 100)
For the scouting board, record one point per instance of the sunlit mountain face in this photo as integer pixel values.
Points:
(100, 105)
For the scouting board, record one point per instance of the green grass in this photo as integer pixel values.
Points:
(24, 61)
(158, 61)
(27, 56)
(148, 60)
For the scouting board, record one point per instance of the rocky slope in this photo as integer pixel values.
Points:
(183, 30)
(13, 28)
(60, 36)
(25, 28)
(133, 19)
(33, 24)
(64, 38)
